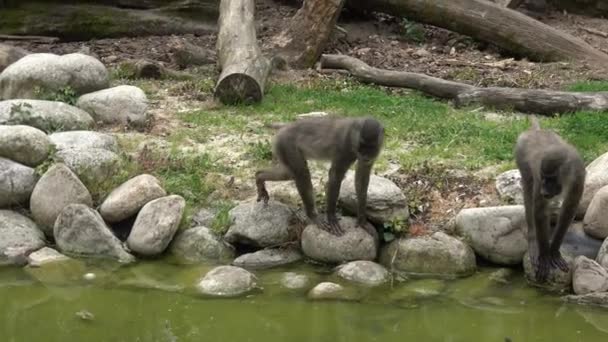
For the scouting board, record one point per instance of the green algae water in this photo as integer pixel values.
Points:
(156, 301)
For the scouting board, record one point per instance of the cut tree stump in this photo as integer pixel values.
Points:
(243, 67)
(543, 102)
(491, 23)
(303, 40)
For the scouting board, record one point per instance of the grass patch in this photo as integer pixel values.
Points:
(589, 86)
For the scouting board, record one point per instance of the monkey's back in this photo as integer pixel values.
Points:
(533, 144)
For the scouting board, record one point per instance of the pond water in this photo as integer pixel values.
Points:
(156, 301)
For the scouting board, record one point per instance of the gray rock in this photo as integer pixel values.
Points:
(593, 299)
(364, 272)
(84, 140)
(595, 222)
(46, 71)
(24, 144)
(588, 276)
(577, 242)
(354, 244)
(268, 258)
(596, 178)
(385, 201)
(326, 290)
(45, 255)
(438, 254)
(156, 224)
(260, 226)
(10, 54)
(127, 199)
(204, 217)
(508, 186)
(16, 183)
(294, 281)
(57, 188)
(122, 105)
(48, 116)
(557, 279)
(19, 236)
(93, 166)
(198, 244)
(80, 230)
(496, 233)
(227, 281)
(602, 255)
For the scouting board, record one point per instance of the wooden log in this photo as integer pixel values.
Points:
(303, 40)
(488, 22)
(243, 67)
(544, 102)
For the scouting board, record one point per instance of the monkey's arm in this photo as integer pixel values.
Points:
(541, 222)
(566, 215)
(336, 175)
(362, 174)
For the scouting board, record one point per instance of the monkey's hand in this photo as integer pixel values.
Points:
(263, 195)
(557, 261)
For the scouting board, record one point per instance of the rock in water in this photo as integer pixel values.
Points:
(24, 144)
(156, 224)
(50, 72)
(355, 244)
(227, 281)
(84, 140)
(16, 183)
(198, 244)
(385, 201)
(595, 299)
(57, 188)
(260, 226)
(364, 272)
(268, 258)
(508, 186)
(127, 199)
(19, 236)
(122, 105)
(597, 178)
(595, 222)
(10, 54)
(496, 233)
(45, 255)
(438, 254)
(326, 290)
(294, 281)
(588, 276)
(80, 230)
(48, 116)
(93, 166)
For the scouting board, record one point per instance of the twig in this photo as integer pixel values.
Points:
(40, 39)
(595, 32)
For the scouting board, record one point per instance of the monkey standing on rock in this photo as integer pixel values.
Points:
(549, 167)
(339, 140)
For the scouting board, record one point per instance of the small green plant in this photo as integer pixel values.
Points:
(394, 228)
(261, 150)
(412, 31)
(222, 220)
(65, 94)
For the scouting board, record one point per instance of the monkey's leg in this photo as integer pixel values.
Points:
(277, 173)
(362, 174)
(337, 171)
(566, 215)
(541, 221)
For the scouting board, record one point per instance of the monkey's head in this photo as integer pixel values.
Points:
(370, 140)
(551, 174)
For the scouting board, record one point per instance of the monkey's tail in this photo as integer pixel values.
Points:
(535, 125)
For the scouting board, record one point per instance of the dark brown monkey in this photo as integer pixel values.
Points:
(339, 140)
(549, 167)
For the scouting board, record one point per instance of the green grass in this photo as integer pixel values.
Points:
(589, 86)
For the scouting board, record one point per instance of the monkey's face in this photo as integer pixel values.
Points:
(550, 186)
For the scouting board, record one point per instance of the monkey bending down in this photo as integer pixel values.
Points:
(339, 140)
(549, 167)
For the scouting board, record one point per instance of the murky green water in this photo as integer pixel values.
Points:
(155, 302)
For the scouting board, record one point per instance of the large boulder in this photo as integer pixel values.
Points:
(385, 201)
(364, 272)
(588, 276)
(437, 254)
(355, 244)
(508, 186)
(93, 166)
(24, 144)
(199, 244)
(267, 258)
(49, 72)
(80, 230)
(16, 183)
(156, 224)
(84, 140)
(57, 188)
(48, 116)
(596, 178)
(10, 54)
(496, 233)
(127, 199)
(227, 281)
(602, 255)
(595, 221)
(121, 105)
(19, 236)
(259, 225)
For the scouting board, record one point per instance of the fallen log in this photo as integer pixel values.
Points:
(184, 54)
(543, 102)
(243, 67)
(491, 23)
